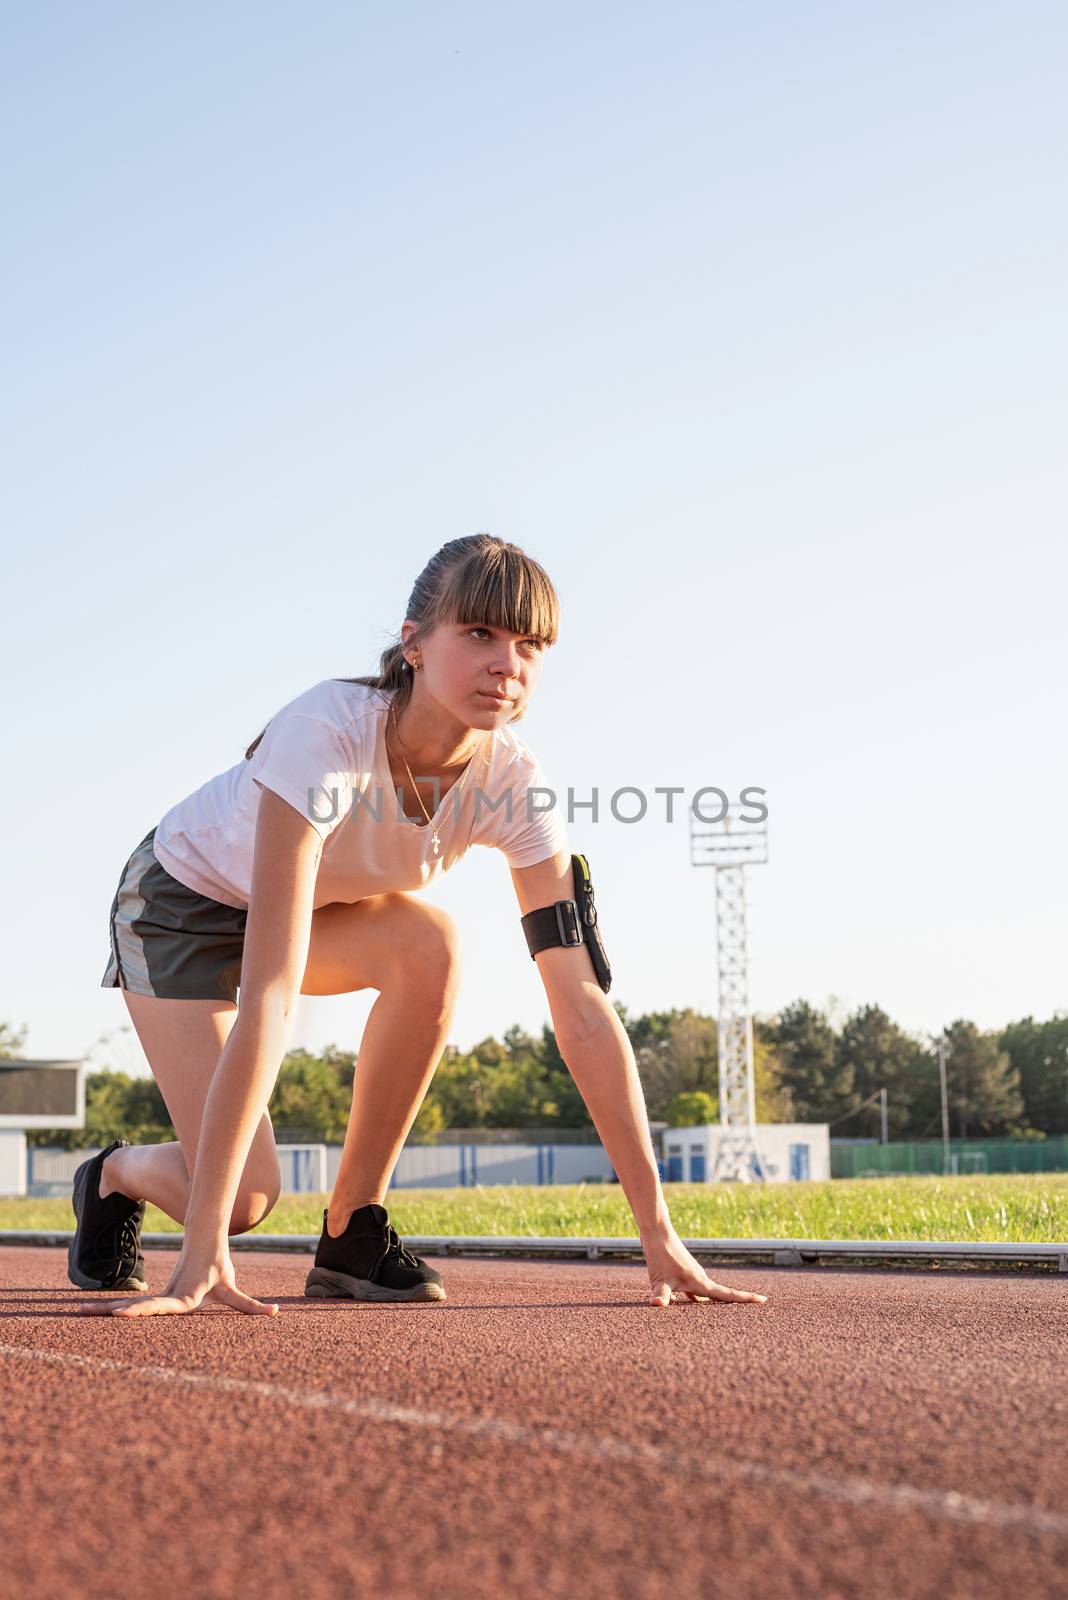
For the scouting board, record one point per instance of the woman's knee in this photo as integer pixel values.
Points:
(261, 1184)
(430, 956)
(254, 1201)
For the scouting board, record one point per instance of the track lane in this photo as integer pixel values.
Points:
(544, 1431)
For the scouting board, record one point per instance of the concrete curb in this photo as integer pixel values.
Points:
(779, 1252)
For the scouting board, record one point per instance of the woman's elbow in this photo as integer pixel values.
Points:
(585, 1021)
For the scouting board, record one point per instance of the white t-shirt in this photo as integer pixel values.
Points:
(325, 753)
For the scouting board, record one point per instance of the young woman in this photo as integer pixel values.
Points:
(293, 873)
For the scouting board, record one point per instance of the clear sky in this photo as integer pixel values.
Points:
(747, 321)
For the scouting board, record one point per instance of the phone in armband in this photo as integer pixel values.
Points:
(570, 922)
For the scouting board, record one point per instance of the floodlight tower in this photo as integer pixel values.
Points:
(730, 845)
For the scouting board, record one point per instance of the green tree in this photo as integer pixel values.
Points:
(343, 1063)
(676, 1053)
(309, 1098)
(646, 1029)
(814, 1083)
(520, 1046)
(146, 1112)
(12, 1041)
(774, 1102)
(459, 1090)
(1039, 1053)
(106, 1111)
(558, 1094)
(875, 1053)
(692, 1109)
(489, 1052)
(429, 1121)
(983, 1086)
(515, 1098)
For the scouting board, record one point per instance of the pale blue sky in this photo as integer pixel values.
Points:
(748, 322)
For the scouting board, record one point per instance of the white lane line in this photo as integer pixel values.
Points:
(941, 1505)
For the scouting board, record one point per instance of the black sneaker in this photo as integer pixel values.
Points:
(368, 1262)
(105, 1252)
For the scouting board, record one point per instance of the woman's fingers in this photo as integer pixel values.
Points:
(156, 1305)
(709, 1290)
(98, 1308)
(163, 1305)
(718, 1291)
(145, 1305)
(221, 1291)
(674, 1274)
(229, 1294)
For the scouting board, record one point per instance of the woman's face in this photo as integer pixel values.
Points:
(464, 662)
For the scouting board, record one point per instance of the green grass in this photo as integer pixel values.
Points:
(1006, 1208)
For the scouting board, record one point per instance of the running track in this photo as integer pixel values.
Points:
(542, 1432)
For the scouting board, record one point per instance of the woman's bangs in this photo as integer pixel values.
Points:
(505, 591)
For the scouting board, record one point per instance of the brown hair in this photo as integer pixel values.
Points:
(478, 578)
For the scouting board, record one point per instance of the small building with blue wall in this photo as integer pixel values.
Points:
(789, 1152)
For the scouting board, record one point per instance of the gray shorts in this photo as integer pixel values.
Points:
(170, 941)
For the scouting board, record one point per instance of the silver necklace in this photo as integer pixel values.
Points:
(435, 840)
(433, 831)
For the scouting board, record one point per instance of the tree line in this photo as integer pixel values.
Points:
(807, 1068)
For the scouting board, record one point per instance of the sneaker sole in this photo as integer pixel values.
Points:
(74, 1272)
(128, 1286)
(323, 1284)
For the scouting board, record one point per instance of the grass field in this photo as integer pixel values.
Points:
(999, 1208)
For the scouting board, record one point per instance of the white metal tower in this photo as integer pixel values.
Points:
(730, 846)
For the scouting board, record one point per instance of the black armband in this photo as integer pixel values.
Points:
(570, 922)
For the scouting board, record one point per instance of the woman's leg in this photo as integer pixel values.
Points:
(406, 949)
(410, 952)
(402, 1043)
(183, 1040)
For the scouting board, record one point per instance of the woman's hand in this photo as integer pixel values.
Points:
(674, 1271)
(189, 1287)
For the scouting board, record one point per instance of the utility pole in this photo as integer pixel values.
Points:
(882, 1114)
(945, 1102)
(729, 845)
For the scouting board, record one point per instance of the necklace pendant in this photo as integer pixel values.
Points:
(437, 844)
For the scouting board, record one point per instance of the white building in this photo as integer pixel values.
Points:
(35, 1094)
(789, 1151)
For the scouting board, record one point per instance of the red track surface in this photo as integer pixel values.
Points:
(541, 1432)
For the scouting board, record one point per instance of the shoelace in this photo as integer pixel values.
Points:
(123, 1247)
(128, 1237)
(403, 1254)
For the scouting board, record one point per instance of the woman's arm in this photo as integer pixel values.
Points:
(274, 957)
(597, 1052)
